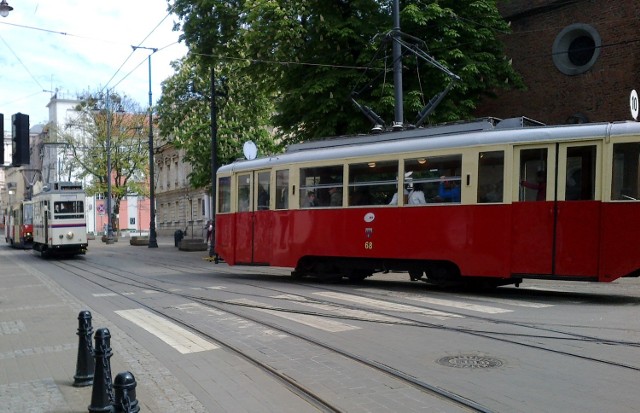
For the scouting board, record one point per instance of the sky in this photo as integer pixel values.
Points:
(74, 46)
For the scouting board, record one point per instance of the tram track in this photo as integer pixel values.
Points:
(301, 390)
(550, 334)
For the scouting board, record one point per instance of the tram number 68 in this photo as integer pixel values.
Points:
(368, 245)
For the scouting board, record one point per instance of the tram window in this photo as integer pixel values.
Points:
(244, 192)
(224, 194)
(320, 181)
(625, 182)
(68, 209)
(581, 173)
(372, 183)
(437, 176)
(27, 214)
(282, 189)
(533, 175)
(490, 176)
(264, 198)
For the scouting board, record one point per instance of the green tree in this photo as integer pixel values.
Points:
(184, 112)
(114, 124)
(312, 54)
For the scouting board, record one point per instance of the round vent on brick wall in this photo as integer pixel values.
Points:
(576, 49)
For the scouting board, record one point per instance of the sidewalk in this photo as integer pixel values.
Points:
(39, 346)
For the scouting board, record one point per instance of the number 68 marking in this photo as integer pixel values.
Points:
(368, 245)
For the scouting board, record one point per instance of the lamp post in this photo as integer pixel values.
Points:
(5, 8)
(153, 242)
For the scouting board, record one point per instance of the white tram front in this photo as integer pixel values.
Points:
(59, 223)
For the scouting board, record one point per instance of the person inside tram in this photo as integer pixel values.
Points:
(394, 199)
(336, 196)
(540, 185)
(448, 190)
(311, 200)
(263, 198)
(416, 195)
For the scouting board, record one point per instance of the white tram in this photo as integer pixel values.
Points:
(59, 222)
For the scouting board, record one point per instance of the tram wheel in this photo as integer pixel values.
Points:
(415, 275)
(443, 273)
(358, 275)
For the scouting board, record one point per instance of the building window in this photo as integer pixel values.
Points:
(576, 49)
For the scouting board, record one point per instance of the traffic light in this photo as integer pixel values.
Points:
(20, 139)
(2, 140)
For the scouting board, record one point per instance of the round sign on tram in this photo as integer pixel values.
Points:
(633, 103)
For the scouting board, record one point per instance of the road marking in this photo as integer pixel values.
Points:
(314, 321)
(516, 303)
(105, 295)
(387, 306)
(177, 337)
(345, 312)
(450, 303)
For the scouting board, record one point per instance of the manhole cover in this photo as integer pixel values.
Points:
(466, 361)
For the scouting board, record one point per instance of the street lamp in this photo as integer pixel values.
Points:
(5, 8)
(153, 243)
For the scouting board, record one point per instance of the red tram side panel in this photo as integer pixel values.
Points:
(19, 225)
(583, 228)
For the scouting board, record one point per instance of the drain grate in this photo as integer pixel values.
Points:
(470, 361)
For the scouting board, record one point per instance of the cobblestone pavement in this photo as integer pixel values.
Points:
(39, 348)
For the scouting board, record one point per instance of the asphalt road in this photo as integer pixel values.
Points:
(207, 337)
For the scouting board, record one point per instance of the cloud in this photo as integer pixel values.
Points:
(79, 45)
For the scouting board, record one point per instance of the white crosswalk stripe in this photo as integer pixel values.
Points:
(314, 321)
(387, 306)
(358, 314)
(177, 337)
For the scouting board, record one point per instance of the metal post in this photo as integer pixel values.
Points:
(153, 242)
(397, 68)
(214, 154)
(109, 218)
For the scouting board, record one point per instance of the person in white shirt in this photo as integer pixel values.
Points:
(416, 196)
(394, 200)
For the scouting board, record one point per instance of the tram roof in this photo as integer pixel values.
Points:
(487, 131)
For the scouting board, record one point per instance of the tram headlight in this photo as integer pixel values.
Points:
(69, 234)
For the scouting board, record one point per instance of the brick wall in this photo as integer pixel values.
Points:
(601, 93)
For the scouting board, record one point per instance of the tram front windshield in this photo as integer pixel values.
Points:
(27, 214)
(68, 209)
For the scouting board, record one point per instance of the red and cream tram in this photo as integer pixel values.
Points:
(60, 225)
(491, 201)
(18, 226)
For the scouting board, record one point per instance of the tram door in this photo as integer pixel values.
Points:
(262, 219)
(555, 216)
(253, 221)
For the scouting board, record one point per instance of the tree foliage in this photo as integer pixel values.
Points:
(185, 115)
(311, 55)
(114, 124)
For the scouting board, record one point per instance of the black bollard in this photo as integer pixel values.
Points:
(102, 392)
(124, 386)
(85, 363)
